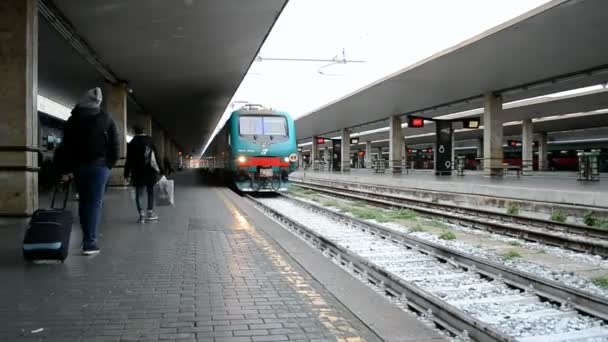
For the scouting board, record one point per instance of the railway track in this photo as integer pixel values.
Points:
(565, 235)
(467, 296)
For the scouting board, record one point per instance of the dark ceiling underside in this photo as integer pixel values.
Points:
(183, 59)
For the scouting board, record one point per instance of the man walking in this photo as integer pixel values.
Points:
(89, 150)
(143, 169)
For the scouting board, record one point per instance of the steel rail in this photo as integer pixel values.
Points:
(443, 314)
(548, 289)
(575, 237)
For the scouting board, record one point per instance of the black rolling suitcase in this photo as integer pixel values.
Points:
(48, 233)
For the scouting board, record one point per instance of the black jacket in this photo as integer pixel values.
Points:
(90, 136)
(138, 166)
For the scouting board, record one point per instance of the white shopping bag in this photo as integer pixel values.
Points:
(164, 192)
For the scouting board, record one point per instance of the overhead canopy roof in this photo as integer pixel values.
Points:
(558, 125)
(183, 59)
(558, 46)
(577, 125)
(528, 109)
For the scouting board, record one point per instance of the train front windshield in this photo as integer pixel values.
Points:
(262, 125)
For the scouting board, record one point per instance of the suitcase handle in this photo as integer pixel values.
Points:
(67, 194)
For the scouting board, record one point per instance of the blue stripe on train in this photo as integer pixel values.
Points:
(38, 246)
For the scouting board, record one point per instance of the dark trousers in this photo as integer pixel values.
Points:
(91, 183)
(139, 193)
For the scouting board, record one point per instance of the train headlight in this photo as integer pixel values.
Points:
(241, 159)
(293, 157)
(286, 159)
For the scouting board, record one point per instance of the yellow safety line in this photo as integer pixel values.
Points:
(327, 315)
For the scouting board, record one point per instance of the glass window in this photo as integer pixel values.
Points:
(250, 125)
(262, 125)
(275, 126)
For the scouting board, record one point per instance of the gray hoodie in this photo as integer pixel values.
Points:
(90, 135)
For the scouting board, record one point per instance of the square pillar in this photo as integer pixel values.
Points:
(345, 155)
(395, 144)
(147, 126)
(18, 108)
(158, 137)
(368, 154)
(479, 154)
(543, 152)
(314, 154)
(527, 146)
(492, 136)
(115, 104)
(453, 140)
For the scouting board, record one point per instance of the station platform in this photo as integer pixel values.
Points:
(213, 268)
(540, 188)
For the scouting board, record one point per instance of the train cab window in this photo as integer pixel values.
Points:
(250, 125)
(275, 126)
(262, 125)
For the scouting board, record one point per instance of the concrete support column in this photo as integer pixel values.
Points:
(543, 152)
(166, 144)
(453, 142)
(18, 107)
(479, 153)
(158, 137)
(171, 154)
(404, 153)
(527, 145)
(368, 154)
(492, 135)
(395, 144)
(115, 103)
(345, 155)
(314, 154)
(160, 149)
(147, 126)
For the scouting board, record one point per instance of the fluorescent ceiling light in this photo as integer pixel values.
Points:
(53, 108)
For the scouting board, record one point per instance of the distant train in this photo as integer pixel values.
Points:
(560, 157)
(255, 150)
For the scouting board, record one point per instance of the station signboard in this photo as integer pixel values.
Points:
(443, 153)
(336, 159)
(415, 122)
(471, 123)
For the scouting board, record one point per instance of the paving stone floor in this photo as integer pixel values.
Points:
(201, 273)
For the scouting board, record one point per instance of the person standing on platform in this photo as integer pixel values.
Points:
(88, 151)
(144, 171)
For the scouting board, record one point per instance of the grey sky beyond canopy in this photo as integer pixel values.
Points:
(536, 48)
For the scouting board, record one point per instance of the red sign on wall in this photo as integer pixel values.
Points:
(415, 122)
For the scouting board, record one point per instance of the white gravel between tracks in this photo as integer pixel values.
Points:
(511, 311)
(563, 277)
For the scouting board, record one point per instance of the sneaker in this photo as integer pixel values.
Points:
(151, 216)
(91, 250)
(142, 218)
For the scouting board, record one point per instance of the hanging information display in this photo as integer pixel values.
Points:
(443, 148)
(336, 158)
